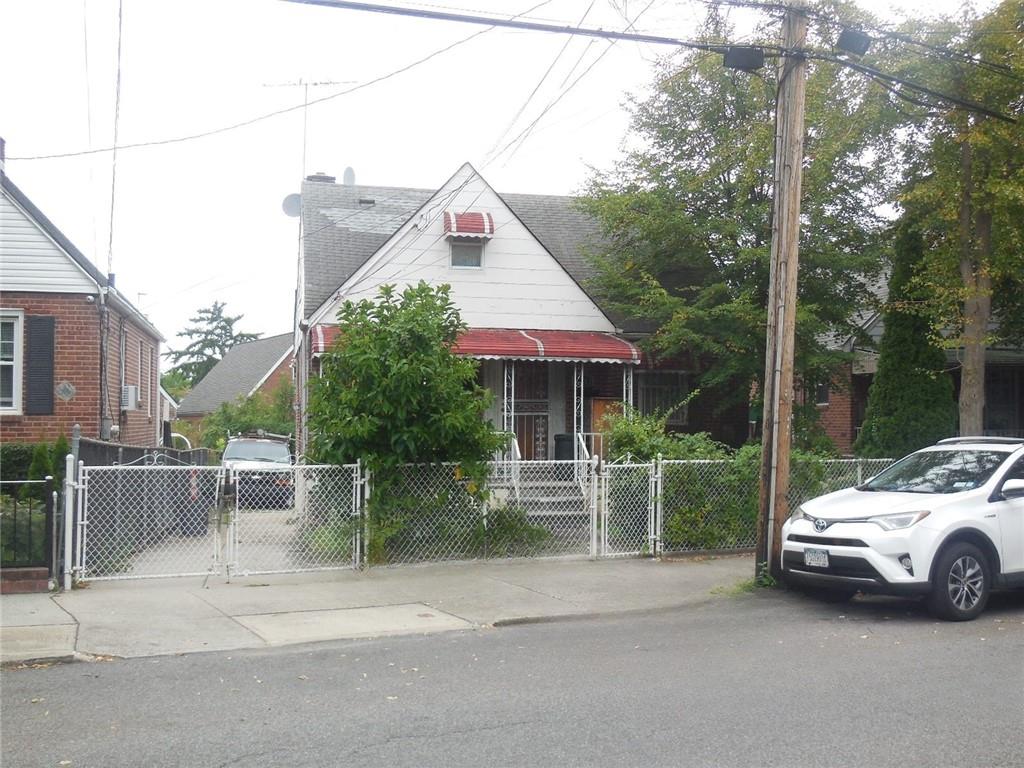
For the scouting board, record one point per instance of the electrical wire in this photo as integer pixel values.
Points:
(540, 82)
(522, 137)
(258, 118)
(117, 123)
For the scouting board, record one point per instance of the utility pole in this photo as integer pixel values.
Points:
(780, 336)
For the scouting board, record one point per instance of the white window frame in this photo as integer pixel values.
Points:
(680, 417)
(465, 241)
(18, 317)
(150, 380)
(143, 375)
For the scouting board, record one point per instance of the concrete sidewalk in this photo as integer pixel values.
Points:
(173, 616)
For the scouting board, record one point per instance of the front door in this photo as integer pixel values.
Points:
(531, 409)
(600, 407)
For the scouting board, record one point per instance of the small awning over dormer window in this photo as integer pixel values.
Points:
(468, 224)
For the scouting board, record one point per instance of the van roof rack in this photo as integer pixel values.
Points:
(258, 434)
(981, 439)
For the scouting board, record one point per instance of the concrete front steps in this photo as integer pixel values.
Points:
(22, 580)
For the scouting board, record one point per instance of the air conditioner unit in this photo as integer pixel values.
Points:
(130, 397)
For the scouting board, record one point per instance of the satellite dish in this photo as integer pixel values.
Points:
(349, 177)
(292, 205)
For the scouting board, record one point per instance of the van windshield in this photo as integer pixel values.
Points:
(257, 450)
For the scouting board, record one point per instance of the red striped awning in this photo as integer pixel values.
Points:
(512, 344)
(468, 224)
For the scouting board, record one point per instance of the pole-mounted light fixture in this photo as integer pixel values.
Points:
(853, 41)
(749, 58)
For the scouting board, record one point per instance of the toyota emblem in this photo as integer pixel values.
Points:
(820, 524)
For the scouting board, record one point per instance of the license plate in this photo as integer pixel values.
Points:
(817, 558)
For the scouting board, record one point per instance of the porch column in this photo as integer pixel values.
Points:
(627, 387)
(577, 399)
(509, 405)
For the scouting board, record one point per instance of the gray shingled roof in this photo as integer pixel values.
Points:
(235, 376)
(340, 232)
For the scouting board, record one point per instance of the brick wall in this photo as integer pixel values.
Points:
(281, 375)
(837, 417)
(77, 362)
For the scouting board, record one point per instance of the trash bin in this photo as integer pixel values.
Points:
(564, 450)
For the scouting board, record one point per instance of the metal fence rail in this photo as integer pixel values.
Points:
(26, 523)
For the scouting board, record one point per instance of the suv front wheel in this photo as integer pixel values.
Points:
(961, 584)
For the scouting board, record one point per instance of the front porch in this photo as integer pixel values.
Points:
(552, 389)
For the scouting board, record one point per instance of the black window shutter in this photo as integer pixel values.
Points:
(39, 366)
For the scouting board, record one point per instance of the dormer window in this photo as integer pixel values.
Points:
(466, 253)
(467, 232)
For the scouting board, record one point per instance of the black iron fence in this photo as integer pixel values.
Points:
(97, 453)
(27, 520)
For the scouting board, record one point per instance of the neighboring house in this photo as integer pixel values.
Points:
(258, 366)
(517, 264)
(842, 405)
(72, 349)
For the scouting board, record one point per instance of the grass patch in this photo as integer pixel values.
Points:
(744, 587)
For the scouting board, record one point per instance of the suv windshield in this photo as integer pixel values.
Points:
(257, 450)
(951, 471)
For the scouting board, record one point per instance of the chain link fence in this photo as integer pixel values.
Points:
(429, 513)
(712, 505)
(142, 521)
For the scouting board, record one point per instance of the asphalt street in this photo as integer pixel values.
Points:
(764, 679)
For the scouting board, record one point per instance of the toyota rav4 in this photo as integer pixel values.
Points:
(946, 522)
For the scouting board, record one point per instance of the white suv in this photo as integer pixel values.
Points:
(946, 522)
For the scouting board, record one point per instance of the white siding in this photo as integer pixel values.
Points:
(31, 261)
(520, 284)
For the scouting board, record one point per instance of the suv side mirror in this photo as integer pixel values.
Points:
(1013, 489)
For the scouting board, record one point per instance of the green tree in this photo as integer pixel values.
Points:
(965, 174)
(272, 413)
(391, 391)
(688, 216)
(210, 338)
(176, 383)
(910, 404)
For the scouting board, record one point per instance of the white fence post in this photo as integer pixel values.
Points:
(69, 514)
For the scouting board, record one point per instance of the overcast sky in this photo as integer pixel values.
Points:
(201, 220)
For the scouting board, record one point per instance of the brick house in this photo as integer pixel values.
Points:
(72, 348)
(843, 404)
(254, 368)
(555, 360)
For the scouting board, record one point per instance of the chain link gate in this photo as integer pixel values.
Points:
(628, 518)
(148, 521)
(151, 521)
(296, 518)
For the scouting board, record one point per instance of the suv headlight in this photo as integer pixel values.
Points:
(900, 520)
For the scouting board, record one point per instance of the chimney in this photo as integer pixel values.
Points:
(321, 177)
(3, 154)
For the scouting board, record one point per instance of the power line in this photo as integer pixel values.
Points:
(540, 82)
(873, 73)
(258, 118)
(945, 52)
(515, 24)
(117, 123)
